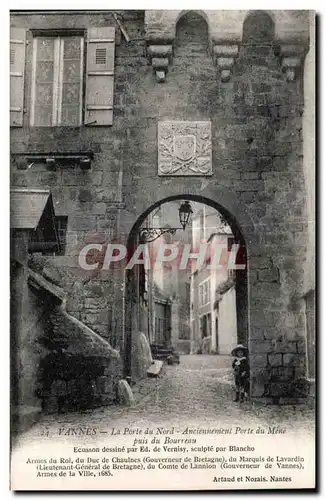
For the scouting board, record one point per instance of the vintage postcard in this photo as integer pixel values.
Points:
(162, 213)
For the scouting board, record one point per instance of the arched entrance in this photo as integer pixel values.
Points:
(134, 292)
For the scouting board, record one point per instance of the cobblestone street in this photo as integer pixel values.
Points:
(197, 391)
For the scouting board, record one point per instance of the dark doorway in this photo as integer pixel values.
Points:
(217, 335)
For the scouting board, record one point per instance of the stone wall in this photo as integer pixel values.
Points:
(81, 370)
(28, 323)
(257, 179)
(57, 362)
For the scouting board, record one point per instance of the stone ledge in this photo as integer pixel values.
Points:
(155, 369)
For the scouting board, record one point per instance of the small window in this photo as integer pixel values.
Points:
(57, 81)
(204, 293)
(61, 224)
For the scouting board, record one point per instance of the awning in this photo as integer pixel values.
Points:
(32, 210)
(27, 207)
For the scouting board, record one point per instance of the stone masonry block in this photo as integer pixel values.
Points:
(107, 399)
(97, 178)
(271, 275)
(262, 346)
(249, 185)
(252, 276)
(70, 177)
(248, 196)
(269, 332)
(85, 196)
(250, 175)
(301, 346)
(282, 373)
(300, 372)
(275, 359)
(259, 360)
(259, 262)
(266, 318)
(292, 359)
(99, 317)
(257, 389)
(102, 330)
(104, 385)
(284, 345)
(96, 289)
(280, 389)
(19, 180)
(99, 209)
(91, 303)
(83, 223)
(266, 290)
(46, 178)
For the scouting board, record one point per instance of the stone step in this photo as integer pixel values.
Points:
(163, 352)
(159, 356)
(155, 369)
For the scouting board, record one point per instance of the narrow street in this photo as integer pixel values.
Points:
(197, 391)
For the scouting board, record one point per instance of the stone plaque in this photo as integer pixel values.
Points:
(184, 148)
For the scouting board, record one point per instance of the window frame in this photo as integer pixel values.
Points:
(58, 35)
(61, 227)
(205, 292)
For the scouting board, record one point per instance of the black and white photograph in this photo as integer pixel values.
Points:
(162, 250)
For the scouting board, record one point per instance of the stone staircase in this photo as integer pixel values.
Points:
(165, 354)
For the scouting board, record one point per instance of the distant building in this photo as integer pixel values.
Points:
(213, 293)
(168, 287)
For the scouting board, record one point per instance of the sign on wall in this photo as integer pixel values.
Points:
(184, 148)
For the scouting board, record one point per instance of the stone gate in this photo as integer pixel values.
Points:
(205, 104)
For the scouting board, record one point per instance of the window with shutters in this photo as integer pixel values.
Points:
(17, 72)
(57, 81)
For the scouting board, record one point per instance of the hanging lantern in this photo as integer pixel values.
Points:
(185, 212)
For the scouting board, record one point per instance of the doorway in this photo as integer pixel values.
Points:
(140, 282)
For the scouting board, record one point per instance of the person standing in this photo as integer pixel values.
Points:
(240, 367)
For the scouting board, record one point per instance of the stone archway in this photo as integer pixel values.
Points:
(131, 284)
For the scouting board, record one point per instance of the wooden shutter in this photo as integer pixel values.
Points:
(100, 76)
(17, 73)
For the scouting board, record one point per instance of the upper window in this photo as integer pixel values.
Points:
(57, 81)
(67, 89)
(204, 293)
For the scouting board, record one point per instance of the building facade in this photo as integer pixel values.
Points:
(213, 287)
(118, 112)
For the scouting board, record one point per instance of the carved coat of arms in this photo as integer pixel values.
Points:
(184, 148)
